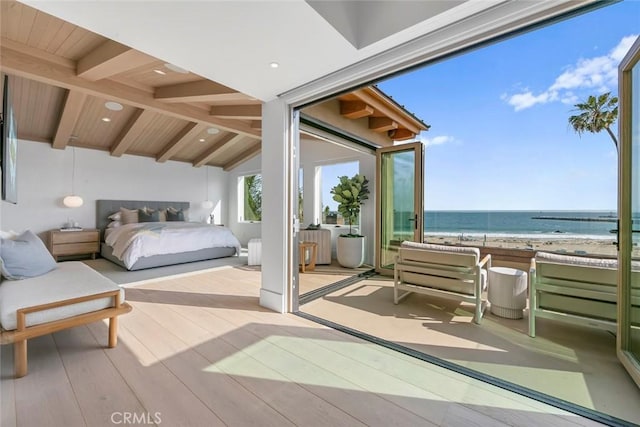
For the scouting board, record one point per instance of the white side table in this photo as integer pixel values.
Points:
(507, 292)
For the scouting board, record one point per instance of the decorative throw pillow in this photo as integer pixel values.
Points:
(25, 256)
(175, 215)
(115, 216)
(148, 216)
(163, 215)
(114, 224)
(128, 216)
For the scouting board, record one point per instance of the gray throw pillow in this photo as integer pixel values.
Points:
(148, 216)
(173, 215)
(25, 256)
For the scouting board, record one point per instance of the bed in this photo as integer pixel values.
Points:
(156, 244)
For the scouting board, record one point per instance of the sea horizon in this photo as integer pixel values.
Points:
(527, 224)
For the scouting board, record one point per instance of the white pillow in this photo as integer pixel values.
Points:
(11, 235)
(114, 224)
(115, 216)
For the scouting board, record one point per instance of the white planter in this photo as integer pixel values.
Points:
(350, 251)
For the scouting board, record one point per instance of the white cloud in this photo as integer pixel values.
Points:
(437, 140)
(599, 73)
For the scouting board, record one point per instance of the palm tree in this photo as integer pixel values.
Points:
(596, 114)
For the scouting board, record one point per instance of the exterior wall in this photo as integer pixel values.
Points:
(44, 179)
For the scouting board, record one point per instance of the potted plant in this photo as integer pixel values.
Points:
(350, 193)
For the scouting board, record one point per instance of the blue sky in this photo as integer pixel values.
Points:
(499, 136)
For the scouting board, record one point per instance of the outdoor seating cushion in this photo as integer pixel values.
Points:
(70, 279)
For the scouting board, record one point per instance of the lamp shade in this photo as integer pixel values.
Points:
(73, 201)
(207, 204)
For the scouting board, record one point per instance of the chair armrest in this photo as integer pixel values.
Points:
(486, 259)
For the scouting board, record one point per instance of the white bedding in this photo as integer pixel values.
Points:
(133, 241)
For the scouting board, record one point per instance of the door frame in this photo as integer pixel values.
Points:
(418, 235)
(625, 185)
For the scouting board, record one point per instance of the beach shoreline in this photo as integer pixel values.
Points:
(561, 244)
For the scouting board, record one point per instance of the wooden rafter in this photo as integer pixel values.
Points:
(186, 135)
(198, 91)
(25, 64)
(401, 134)
(205, 157)
(243, 157)
(135, 126)
(246, 112)
(382, 124)
(256, 124)
(355, 109)
(385, 108)
(110, 58)
(71, 110)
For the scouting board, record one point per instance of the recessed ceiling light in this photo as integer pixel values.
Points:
(162, 73)
(274, 65)
(213, 131)
(113, 106)
(105, 119)
(201, 140)
(176, 69)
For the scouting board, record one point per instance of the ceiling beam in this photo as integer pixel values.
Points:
(73, 103)
(243, 157)
(30, 66)
(131, 132)
(110, 58)
(256, 124)
(205, 157)
(198, 91)
(386, 109)
(401, 134)
(186, 135)
(355, 109)
(382, 124)
(246, 112)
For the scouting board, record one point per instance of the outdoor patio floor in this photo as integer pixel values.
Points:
(573, 363)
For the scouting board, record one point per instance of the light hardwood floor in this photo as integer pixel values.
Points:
(199, 351)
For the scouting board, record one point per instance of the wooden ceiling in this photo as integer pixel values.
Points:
(62, 75)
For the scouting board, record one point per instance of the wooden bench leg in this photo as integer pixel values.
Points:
(20, 358)
(113, 331)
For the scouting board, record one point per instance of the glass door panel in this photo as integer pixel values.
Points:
(399, 200)
(628, 342)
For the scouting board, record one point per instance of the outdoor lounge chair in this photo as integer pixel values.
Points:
(444, 271)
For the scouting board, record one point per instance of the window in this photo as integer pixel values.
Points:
(301, 195)
(328, 178)
(250, 198)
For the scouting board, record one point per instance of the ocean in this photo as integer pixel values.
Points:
(527, 224)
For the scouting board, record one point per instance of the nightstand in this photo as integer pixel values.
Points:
(66, 243)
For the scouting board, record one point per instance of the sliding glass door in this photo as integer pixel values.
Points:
(628, 339)
(399, 201)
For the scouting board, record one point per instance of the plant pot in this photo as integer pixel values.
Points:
(350, 251)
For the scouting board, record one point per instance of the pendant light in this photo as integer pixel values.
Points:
(73, 201)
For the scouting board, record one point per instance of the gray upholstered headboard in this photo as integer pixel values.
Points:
(104, 208)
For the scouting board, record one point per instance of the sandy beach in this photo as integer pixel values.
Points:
(567, 245)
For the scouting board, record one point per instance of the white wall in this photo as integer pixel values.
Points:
(312, 154)
(44, 179)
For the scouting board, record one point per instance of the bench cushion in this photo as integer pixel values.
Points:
(70, 279)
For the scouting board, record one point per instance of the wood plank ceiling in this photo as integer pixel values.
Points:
(62, 77)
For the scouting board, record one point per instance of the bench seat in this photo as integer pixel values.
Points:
(70, 295)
